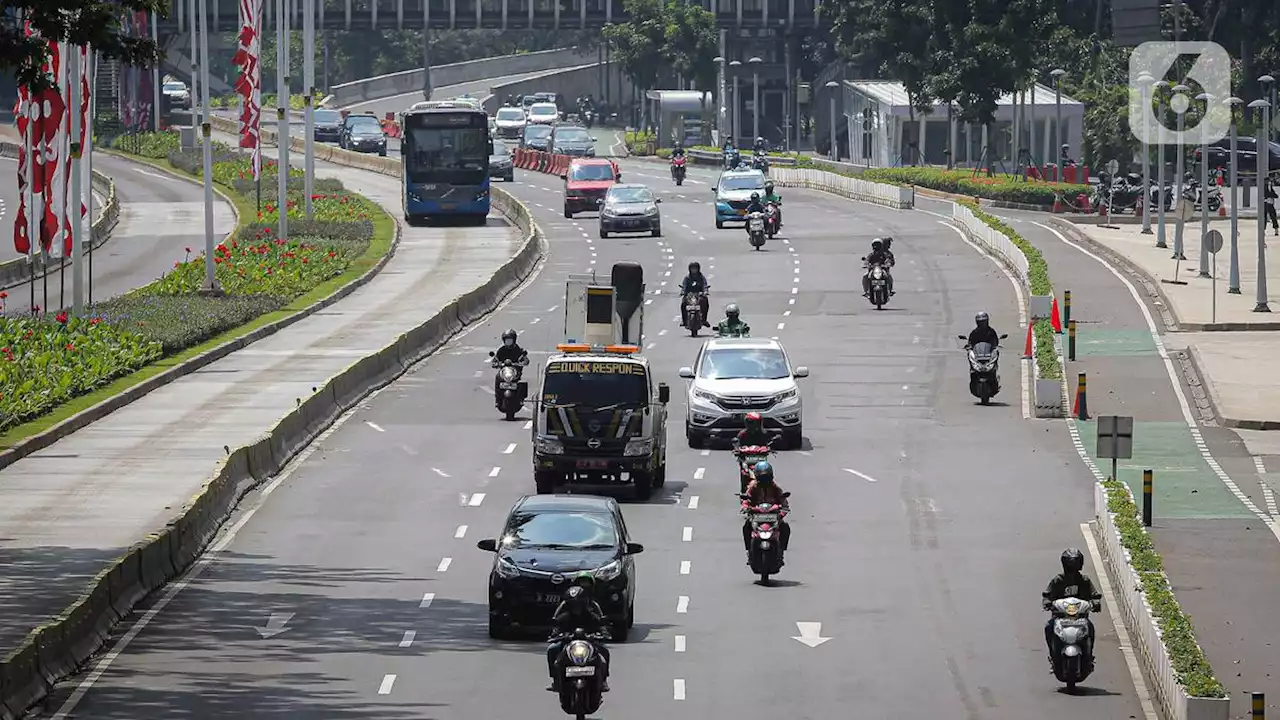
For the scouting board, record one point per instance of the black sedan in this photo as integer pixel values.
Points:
(501, 164)
(548, 542)
(629, 209)
(328, 125)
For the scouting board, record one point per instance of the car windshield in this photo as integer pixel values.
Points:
(574, 135)
(742, 182)
(537, 132)
(542, 110)
(510, 114)
(630, 195)
(595, 383)
(500, 149)
(592, 173)
(369, 129)
(359, 121)
(175, 87)
(744, 363)
(327, 116)
(560, 530)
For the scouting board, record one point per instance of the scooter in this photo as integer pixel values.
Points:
(755, 229)
(760, 161)
(678, 169)
(748, 456)
(581, 674)
(589, 118)
(771, 223)
(693, 313)
(766, 551)
(512, 391)
(1193, 192)
(984, 370)
(878, 275)
(1072, 655)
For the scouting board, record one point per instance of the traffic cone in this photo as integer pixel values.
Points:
(1057, 202)
(1054, 319)
(1028, 350)
(1080, 410)
(1222, 210)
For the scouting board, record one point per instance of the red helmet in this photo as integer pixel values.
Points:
(753, 418)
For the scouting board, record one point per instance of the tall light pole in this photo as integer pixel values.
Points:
(1057, 74)
(1179, 98)
(155, 76)
(1159, 87)
(1145, 81)
(1207, 99)
(1233, 283)
(722, 115)
(309, 85)
(831, 89)
(282, 116)
(755, 96)
(737, 107)
(1264, 115)
(210, 279)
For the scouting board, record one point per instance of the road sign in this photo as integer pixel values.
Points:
(1113, 167)
(1213, 240)
(1115, 439)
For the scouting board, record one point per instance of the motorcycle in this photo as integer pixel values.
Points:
(984, 370)
(678, 169)
(512, 390)
(693, 318)
(732, 158)
(755, 229)
(766, 552)
(582, 674)
(748, 456)
(879, 277)
(772, 224)
(1193, 192)
(760, 161)
(1072, 655)
(1116, 194)
(589, 118)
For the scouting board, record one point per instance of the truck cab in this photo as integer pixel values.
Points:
(600, 418)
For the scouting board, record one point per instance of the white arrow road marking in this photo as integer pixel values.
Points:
(275, 625)
(864, 476)
(810, 634)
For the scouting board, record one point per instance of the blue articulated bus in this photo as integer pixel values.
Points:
(445, 157)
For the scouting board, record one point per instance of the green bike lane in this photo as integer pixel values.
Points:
(1221, 555)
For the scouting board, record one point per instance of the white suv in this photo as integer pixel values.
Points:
(736, 376)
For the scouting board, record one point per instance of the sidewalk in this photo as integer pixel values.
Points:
(1220, 557)
(66, 511)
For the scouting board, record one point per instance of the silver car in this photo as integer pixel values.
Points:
(736, 376)
(630, 209)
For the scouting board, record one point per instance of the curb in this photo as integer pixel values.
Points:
(1212, 397)
(59, 648)
(19, 271)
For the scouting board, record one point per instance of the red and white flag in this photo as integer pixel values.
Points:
(49, 113)
(249, 83)
(21, 222)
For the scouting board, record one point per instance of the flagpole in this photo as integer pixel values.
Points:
(77, 190)
(30, 196)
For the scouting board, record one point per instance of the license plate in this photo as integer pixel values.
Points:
(579, 671)
(632, 223)
(592, 464)
(448, 206)
(742, 212)
(508, 386)
(757, 225)
(549, 599)
(765, 518)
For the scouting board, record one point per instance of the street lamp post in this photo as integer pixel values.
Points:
(1178, 253)
(1233, 282)
(755, 96)
(721, 114)
(831, 88)
(1145, 81)
(1057, 74)
(1207, 99)
(737, 107)
(1264, 112)
(1161, 242)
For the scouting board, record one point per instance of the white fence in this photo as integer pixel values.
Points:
(902, 198)
(994, 241)
(1147, 636)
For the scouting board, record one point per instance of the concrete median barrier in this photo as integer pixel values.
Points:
(20, 270)
(60, 648)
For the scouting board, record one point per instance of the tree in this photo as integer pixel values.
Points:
(890, 36)
(691, 42)
(639, 45)
(97, 23)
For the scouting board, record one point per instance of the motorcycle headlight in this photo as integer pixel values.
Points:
(638, 448)
(507, 569)
(550, 446)
(579, 652)
(766, 535)
(508, 373)
(1071, 635)
(608, 572)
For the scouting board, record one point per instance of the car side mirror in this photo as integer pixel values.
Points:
(595, 139)
(634, 548)
(599, 202)
(664, 393)
(786, 494)
(489, 545)
(657, 201)
(564, 177)
(686, 373)
(713, 188)
(1002, 337)
(962, 337)
(618, 177)
(492, 353)
(801, 372)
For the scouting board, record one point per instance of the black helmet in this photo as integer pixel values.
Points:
(509, 337)
(764, 472)
(887, 242)
(876, 245)
(982, 319)
(577, 598)
(755, 197)
(1072, 560)
(731, 311)
(695, 267)
(768, 186)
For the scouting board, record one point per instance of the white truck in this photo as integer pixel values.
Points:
(599, 418)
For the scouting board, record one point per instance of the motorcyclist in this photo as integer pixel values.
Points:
(677, 152)
(770, 196)
(983, 333)
(885, 244)
(732, 324)
(761, 146)
(763, 490)
(731, 155)
(510, 350)
(511, 100)
(877, 256)
(755, 205)
(753, 434)
(695, 282)
(576, 611)
(1071, 582)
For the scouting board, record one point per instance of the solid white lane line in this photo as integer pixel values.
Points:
(786, 313)
(494, 472)
(510, 449)
(460, 533)
(374, 426)
(427, 598)
(685, 567)
(682, 605)
(388, 681)
(678, 684)
(528, 425)
(782, 325)
(706, 453)
(444, 565)
(699, 473)
(687, 534)
(1126, 645)
(679, 643)
(476, 499)
(693, 502)
(407, 640)
(864, 476)
(440, 472)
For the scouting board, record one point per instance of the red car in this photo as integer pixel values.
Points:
(586, 183)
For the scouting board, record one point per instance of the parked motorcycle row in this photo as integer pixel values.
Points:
(1117, 194)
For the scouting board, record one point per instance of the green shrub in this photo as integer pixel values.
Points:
(1007, 188)
(177, 322)
(639, 142)
(1038, 278)
(153, 145)
(1189, 663)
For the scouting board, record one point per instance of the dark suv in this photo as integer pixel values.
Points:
(1246, 156)
(572, 140)
(546, 543)
(363, 133)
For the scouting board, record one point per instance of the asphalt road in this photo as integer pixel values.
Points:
(8, 206)
(925, 525)
(160, 218)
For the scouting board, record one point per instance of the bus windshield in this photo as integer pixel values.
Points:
(595, 383)
(435, 152)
